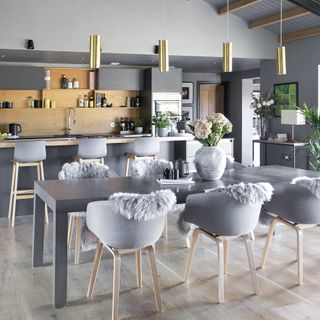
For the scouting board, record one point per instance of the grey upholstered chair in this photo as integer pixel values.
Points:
(84, 170)
(143, 148)
(26, 154)
(221, 216)
(92, 149)
(117, 226)
(298, 207)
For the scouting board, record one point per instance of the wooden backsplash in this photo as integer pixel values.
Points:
(54, 121)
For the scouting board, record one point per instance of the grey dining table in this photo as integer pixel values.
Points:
(74, 195)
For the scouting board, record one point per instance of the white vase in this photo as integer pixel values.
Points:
(138, 130)
(163, 132)
(210, 163)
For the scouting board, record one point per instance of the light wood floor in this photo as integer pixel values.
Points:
(26, 293)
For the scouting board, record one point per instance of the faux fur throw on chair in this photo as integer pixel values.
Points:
(144, 206)
(148, 167)
(251, 193)
(312, 184)
(83, 170)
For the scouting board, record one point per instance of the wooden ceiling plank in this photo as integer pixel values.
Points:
(287, 15)
(301, 34)
(241, 4)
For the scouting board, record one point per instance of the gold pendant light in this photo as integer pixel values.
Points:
(227, 47)
(164, 46)
(281, 51)
(95, 51)
(163, 56)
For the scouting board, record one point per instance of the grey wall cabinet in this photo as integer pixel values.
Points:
(21, 78)
(157, 81)
(120, 79)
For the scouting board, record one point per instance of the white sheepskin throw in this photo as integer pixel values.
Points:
(245, 193)
(312, 184)
(83, 170)
(148, 167)
(252, 193)
(144, 206)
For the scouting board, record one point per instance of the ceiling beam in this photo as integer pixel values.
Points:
(301, 34)
(241, 4)
(310, 5)
(287, 15)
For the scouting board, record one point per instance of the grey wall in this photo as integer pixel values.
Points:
(302, 66)
(236, 107)
(127, 26)
(197, 78)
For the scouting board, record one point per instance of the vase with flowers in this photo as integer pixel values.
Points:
(210, 160)
(262, 106)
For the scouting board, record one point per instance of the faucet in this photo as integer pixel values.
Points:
(73, 110)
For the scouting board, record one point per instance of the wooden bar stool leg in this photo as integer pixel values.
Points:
(226, 254)
(221, 271)
(116, 284)
(300, 254)
(127, 166)
(11, 189)
(15, 189)
(42, 178)
(165, 229)
(70, 231)
(195, 237)
(77, 240)
(138, 268)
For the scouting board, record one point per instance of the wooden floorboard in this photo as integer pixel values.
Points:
(26, 293)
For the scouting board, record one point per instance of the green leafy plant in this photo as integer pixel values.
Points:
(312, 142)
(139, 123)
(161, 120)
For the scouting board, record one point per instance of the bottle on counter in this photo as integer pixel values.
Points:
(127, 124)
(64, 82)
(30, 103)
(70, 84)
(80, 102)
(53, 104)
(47, 78)
(91, 101)
(131, 125)
(122, 124)
(76, 83)
(104, 101)
(138, 100)
(46, 103)
(85, 102)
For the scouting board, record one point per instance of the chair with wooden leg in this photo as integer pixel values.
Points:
(297, 207)
(26, 154)
(92, 150)
(143, 148)
(121, 231)
(223, 215)
(84, 170)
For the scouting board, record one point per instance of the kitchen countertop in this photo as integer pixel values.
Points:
(62, 140)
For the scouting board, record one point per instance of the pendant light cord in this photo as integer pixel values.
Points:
(164, 18)
(281, 28)
(228, 21)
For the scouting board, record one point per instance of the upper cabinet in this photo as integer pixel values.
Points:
(120, 79)
(21, 78)
(157, 81)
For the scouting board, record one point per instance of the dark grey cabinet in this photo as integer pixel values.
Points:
(157, 81)
(21, 78)
(120, 79)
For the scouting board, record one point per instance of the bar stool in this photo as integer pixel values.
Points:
(92, 149)
(143, 148)
(26, 154)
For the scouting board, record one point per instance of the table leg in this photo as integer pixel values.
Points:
(38, 232)
(60, 251)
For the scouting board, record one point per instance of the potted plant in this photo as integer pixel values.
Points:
(210, 160)
(262, 106)
(138, 125)
(161, 122)
(313, 141)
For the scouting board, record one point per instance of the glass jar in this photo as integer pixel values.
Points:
(70, 84)
(30, 103)
(76, 83)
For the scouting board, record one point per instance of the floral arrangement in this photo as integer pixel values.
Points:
(211, 130)
(262, 104)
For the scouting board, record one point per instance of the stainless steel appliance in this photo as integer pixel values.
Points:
(169, 103)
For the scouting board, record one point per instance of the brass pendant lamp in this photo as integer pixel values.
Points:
(95, 47)
(281, 50)
(227, 47)
(164, 49)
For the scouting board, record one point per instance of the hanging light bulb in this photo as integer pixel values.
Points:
(164, 48)
(95, 51)
(227, 47)
(281, 50)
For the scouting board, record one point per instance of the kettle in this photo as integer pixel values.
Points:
(15, 129)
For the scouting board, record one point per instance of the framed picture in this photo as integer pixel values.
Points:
(286, 97)
(187, 112)
(187, 92)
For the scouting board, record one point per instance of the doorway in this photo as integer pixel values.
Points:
(211, 99)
